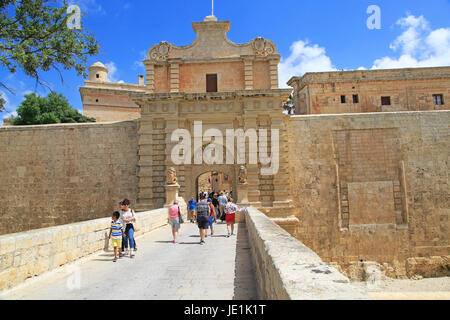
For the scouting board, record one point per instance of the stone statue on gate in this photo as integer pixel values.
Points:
(172, 176)
(242, 175)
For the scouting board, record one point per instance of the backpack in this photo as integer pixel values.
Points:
(203, 209)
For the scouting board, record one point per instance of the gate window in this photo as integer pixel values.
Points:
(385, 101)
(211, 83)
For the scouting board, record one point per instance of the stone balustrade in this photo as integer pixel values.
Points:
(288, 270)
(32, 253)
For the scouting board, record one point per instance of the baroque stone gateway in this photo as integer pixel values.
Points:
(363, 164)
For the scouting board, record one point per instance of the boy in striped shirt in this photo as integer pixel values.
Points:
(116, 232)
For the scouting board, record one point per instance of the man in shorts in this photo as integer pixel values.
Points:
(192, 204)
(203, 211)
(116, 232)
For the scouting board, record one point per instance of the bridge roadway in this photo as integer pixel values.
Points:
(220, 270)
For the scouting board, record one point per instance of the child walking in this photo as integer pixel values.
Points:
(116, 232)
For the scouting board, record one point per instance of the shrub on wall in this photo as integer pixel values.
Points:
(46, 110)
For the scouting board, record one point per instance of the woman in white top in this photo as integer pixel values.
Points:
(128, 217)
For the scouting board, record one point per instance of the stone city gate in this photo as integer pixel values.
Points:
(164, 113)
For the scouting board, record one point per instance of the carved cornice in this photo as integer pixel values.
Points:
(142, 97)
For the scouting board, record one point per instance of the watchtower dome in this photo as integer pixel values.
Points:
(98, 72)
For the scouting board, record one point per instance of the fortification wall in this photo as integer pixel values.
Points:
(58, 174)
(288, 270)
(374, 187)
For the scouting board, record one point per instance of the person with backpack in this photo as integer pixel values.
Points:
(202, 213)
(128, 217)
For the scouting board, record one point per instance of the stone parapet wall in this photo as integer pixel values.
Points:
(65, 173)
(32, 253)
(288, 270)
(373, 188)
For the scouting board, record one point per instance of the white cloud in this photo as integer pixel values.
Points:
(112, 70)
(9, 115)
(89, 6)
(5, 98)
(138, 63)
(304, 57)
(418, 45)
(8, 107)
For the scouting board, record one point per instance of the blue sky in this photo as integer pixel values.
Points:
(321, 35)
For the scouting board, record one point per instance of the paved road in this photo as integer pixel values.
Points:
(160, 270)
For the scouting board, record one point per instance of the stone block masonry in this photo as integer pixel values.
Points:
(28, 254)
(59, 174)
(288, 270)
(374, 187)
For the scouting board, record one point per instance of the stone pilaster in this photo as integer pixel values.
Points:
(150, 77)
(282, 194)
(174, 75)
(248, 74)
(273, 70)
(249, 121)
(145, 173)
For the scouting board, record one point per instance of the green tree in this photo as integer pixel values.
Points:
(46, 110)
(34, 37)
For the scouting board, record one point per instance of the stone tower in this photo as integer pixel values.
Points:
(98, 72)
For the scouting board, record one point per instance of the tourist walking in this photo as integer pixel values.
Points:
(116, 232)
(230, 216)
(128, 218)
(222, 203)
(174, 219)
(212, 218)
(192, 204)
(215, 202)
(202, 213)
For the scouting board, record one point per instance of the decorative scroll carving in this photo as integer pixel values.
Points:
(262, 47)
(161, 51)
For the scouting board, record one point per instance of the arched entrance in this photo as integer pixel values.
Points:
(195, 172)
(213, 182)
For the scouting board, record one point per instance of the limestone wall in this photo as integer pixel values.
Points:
(28, 254)
(410, 89)
(58, 174)
(373, 187)
(288, 270)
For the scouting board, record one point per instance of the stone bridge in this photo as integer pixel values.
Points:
(74, 262)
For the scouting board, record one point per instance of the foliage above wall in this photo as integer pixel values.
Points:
(46, 110)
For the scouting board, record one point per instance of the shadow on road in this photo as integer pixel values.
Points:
(244, 280)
